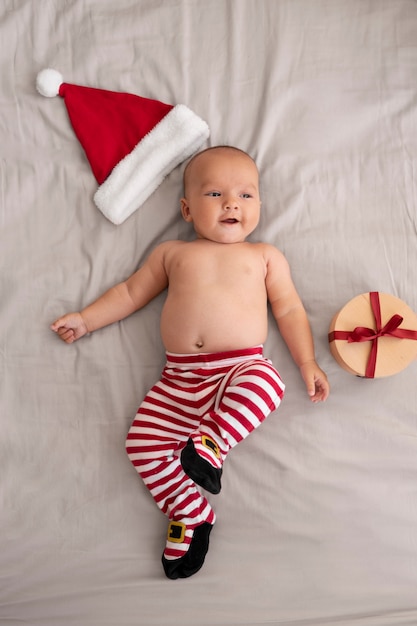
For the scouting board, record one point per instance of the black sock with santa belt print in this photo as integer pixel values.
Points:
(201, 470)
(186, 549)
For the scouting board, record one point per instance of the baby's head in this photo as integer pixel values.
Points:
(216, 152)
(221, 194)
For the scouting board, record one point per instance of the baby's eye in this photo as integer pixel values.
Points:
(213, 194)
(246, 195)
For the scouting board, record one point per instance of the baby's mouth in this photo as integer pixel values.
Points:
(230, 220)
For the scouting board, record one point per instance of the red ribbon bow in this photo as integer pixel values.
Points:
(361, 333)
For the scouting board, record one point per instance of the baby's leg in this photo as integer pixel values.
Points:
(248, 393)
(155, 439)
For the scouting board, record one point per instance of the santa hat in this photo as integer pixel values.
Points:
(131, 142)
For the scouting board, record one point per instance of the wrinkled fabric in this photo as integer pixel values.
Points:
(317, 515)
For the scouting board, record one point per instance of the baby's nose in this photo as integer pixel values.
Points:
(230, 203)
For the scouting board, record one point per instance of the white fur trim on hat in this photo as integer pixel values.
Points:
(176, 137)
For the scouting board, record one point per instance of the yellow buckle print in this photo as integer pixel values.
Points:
(211, 445)
(176, 532)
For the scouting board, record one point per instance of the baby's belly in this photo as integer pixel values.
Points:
(222, 329)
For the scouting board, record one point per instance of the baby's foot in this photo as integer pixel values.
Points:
(186, 549)
(201, 470)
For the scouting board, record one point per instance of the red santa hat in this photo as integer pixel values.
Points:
(131, 142)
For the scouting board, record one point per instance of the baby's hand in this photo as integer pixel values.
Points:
(70, 327)
(316, 381)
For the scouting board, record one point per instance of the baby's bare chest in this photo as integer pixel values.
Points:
(225, 269)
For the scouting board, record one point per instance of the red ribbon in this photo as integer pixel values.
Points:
(361, 333)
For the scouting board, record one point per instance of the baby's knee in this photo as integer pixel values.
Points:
(143, 451)
(264, 380)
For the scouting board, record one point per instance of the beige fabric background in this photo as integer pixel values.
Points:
(317, 518)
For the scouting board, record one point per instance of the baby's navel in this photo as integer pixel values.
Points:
(199, 343)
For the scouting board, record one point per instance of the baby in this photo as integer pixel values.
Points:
(217, 386)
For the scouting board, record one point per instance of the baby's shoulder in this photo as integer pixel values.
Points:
(170, 243)
(275, 263)
(268, 251)
(167, 247)
(170, 251)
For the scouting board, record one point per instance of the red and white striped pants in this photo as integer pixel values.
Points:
(224, 396)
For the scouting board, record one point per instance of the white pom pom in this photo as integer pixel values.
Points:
(48, 82)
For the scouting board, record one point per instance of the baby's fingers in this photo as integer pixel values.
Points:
(322, 390)
(61, 322)
(66, 334)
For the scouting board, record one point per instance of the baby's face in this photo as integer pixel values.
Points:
(222, 196)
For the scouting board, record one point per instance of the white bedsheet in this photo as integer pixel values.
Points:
(317, 519)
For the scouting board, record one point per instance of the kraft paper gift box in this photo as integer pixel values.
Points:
(374, 335)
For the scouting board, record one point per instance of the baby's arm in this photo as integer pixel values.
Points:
(293, 324)
(119, 301)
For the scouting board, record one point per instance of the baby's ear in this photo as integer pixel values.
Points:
(185, 210)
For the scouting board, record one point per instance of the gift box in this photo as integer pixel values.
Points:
(374, 335)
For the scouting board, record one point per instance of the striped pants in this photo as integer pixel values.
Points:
(223, 396)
